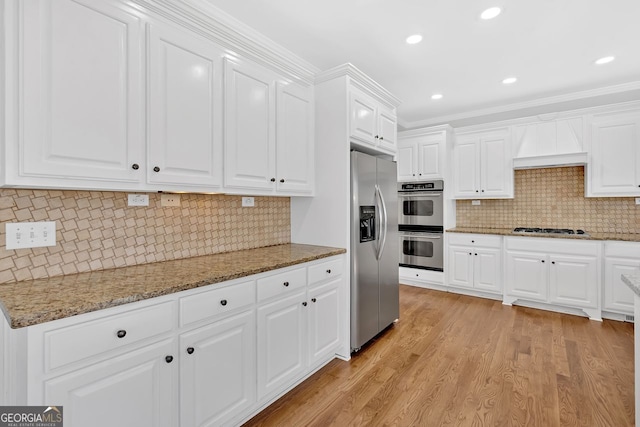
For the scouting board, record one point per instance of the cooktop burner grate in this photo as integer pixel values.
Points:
(548, 230)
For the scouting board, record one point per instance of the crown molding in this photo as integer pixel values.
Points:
(424, 131)
(363, 80)
(238, 38)
(584, 95)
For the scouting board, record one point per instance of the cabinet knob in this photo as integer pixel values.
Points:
(286, 284)
(304, 303)
(477, 191)
(329, 271)
(473, 241)
(476, 254)
(156, 169)
(223, 302)
(273, 180)
(135, 166)
(168, 359)
(190, 350)
(415, 175)
(542, 260)
(420, 174)
(376, 137)
(121, 333)
(282, 180)
(483, 191)
(313, 300)
(381, 138)
(553, 262)
(469, 253)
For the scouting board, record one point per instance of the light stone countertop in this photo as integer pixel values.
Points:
(625, 237)
(37, 301)
(633, 282)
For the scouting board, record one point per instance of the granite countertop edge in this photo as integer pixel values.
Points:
(633, 282)
(38, 301)
(624, 237)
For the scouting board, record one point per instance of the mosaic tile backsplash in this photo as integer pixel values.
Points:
(96, 230)
(552, 198)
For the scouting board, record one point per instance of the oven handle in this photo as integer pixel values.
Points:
(439, 194)
(421, 236)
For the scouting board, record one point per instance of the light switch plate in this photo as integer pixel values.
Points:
(637, 200)
(138, 200)
(475, 203)
(22, 235)
(248, 202)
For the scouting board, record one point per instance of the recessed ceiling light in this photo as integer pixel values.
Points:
(436, 96)
(416, 38)
(490, 13)
(509, 80)
(605, 60)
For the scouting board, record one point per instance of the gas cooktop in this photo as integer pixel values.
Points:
(534, 230)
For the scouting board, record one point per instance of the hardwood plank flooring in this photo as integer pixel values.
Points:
(454, 360)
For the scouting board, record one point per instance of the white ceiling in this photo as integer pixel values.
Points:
(549, 45)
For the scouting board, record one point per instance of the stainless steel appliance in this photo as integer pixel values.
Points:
(374, 247)
(420, 222)
(421, 205)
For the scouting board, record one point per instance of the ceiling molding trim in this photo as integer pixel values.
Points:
(205, 19)
(351, 71)
(540, 102)
(424, 131)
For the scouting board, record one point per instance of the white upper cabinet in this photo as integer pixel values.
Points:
(482, 165)
(185, 109)
(81, 103)
(371, 124)
(614, 168)
(421, 154)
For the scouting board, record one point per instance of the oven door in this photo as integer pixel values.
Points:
(422, 250)
(420, 209)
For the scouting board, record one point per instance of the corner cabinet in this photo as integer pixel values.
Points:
(614, 168)
(371, 124)
(483, 165)
(266, 149)
(422, 153)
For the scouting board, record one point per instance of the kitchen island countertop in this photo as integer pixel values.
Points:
(37, 301)
(625, 237)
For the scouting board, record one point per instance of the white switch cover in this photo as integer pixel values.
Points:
(138, 200)
(475, 203)
(637, 200)
(30, 234)
(170, 200)
(248, 202)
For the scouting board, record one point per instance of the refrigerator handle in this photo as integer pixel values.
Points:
(383, 223)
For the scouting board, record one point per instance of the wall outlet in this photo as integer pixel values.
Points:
(138, 200)
(475, 203)
(637, 200)
(169, 200)
(30, 234)
(248, 202)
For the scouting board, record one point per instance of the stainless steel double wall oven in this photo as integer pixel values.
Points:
(420, 224)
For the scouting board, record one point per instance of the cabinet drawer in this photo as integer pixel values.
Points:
(326, 270)
(216, 301)
(485, 240)
(74, 343)
(622, 249)
(282, 283)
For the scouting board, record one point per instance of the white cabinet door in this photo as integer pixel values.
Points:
(527, 275)
(282, 342)
(487, 269)
(185, 109)
(496, 172)
(135, 389)
(217, 371)
(249, 131)
(407, 162)
(363, 118)
(430, 157)
(573, 280)
(466, 164)
(324, 321)
(614, 169)
(618, 296)
(81, 99)
(387, 130)
(294, 139)
(460, 269)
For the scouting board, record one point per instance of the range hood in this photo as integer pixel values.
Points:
(549, 143)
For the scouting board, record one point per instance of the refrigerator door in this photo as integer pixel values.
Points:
(364, 266)
(388, 263)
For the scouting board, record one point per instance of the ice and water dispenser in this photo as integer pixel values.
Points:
(367, 223)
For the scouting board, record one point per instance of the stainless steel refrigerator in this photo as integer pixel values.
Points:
(374, 247)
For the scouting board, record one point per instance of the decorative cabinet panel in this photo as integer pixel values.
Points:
(614, 168)
(475, 262)
(421, 154)
(81, 105)
(136, 388)
(185, 109)
(619, 258)
(483, 165)
(372, 124)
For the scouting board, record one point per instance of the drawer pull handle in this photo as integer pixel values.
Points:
(286, 284)
(304, 304)
(190, 350)
(329, 271)
(168, 359)
(121, 333)
(223, 302)
(313, 300)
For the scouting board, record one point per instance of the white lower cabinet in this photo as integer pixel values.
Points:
(324, 327)
(619, 258)
(475, 262)
(554, 271)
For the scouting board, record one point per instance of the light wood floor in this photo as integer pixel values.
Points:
(464, 361)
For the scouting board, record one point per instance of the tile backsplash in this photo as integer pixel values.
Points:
(96, 230)
(552, 198)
